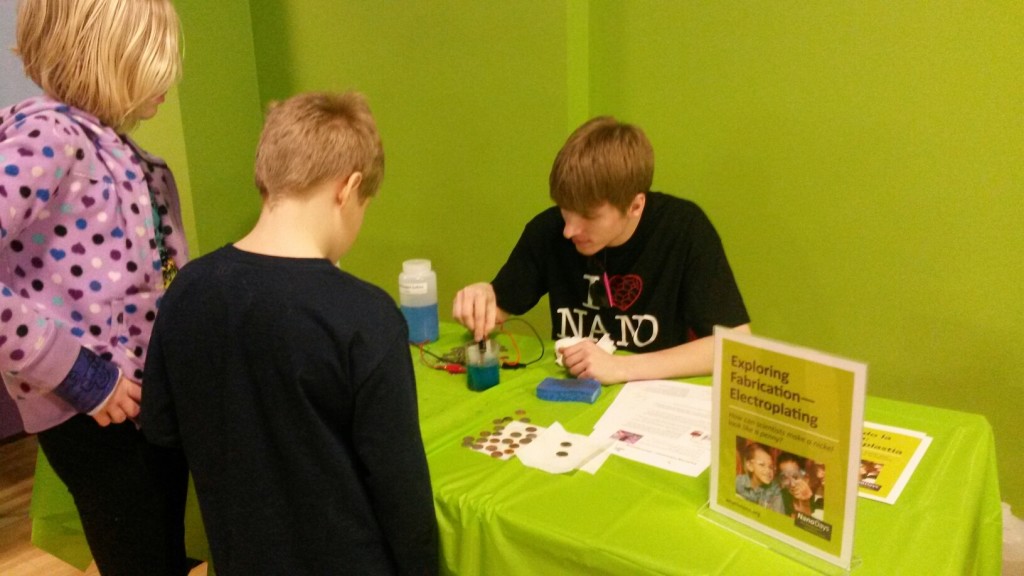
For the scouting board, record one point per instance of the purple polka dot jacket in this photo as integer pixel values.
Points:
(83, 214)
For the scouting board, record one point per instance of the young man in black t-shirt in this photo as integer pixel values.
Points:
(645, 268)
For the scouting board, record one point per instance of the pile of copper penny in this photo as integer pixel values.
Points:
(507, 434)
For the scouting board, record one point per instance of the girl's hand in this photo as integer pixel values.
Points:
(123, 403)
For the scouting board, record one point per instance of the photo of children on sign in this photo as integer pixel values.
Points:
(780, 481)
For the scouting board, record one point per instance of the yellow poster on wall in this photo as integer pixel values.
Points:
(787, 425)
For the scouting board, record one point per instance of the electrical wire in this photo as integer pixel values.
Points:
(441, 364)
(518, 364)
(459, 367)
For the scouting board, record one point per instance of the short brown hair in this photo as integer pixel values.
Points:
(604, 160)
(106, 57)
(317, 137)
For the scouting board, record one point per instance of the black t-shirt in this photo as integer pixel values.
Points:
(670, 282)
(289, 384)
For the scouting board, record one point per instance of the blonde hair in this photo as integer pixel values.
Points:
(318, 137)
(604, 160)
(106, 57)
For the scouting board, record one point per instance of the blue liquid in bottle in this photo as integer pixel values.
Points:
(422, 321)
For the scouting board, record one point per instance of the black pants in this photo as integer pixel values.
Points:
(129, 493)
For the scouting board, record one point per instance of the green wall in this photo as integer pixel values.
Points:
(221, 118)
(862, 161)
(470, 99)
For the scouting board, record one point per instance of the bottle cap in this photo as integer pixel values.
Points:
(417, 265)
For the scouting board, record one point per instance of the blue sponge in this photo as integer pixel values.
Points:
(569, 390)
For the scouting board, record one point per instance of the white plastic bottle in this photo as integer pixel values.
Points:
(417, 288)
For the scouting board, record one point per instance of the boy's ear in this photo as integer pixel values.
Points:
(349, 188)
(636, 207)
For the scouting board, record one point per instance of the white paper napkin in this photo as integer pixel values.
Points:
(556, 451)
(605, 343)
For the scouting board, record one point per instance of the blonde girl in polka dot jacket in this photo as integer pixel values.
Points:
(90, 226)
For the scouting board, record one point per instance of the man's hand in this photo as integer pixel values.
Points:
(123, 403)
(476, 308)
(586, 360)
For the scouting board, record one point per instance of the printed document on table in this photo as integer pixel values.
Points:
(888, 458)
(660, 423)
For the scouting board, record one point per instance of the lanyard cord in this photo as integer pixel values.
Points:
(168, 268)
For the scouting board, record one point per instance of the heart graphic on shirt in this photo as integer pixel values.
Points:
(76, 294)
(57, 254)
(78, 249)
(626, 288)
(88, 201)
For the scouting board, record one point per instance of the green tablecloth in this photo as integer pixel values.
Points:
(500, 517)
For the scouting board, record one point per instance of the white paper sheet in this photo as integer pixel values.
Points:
(661, 423)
